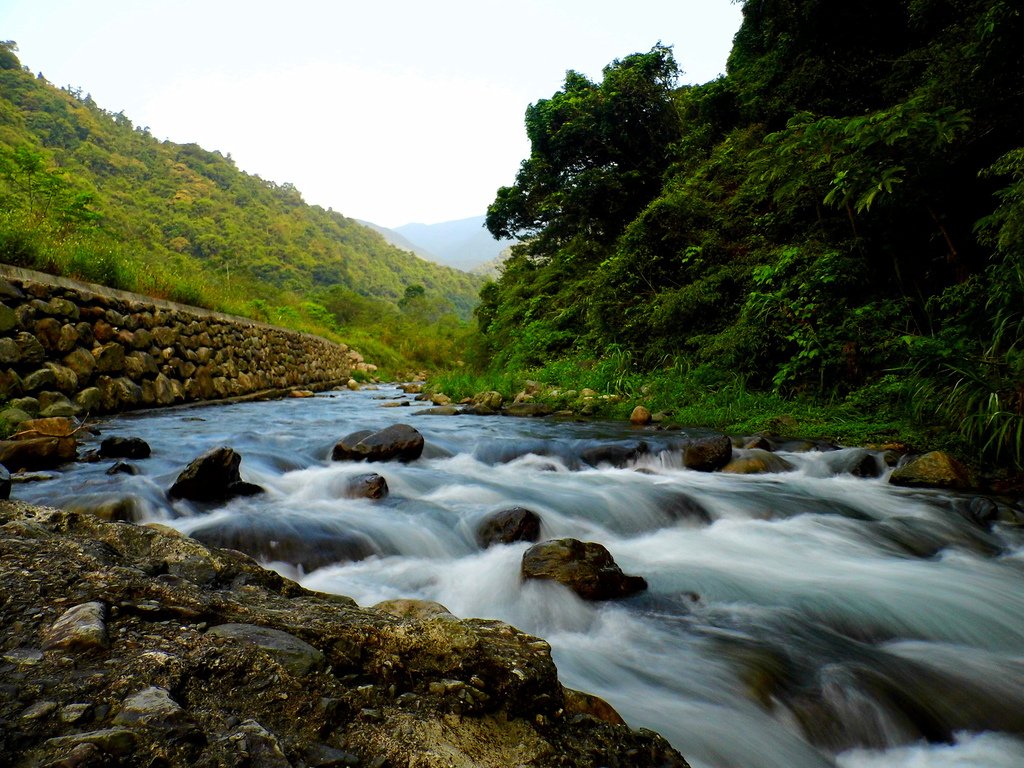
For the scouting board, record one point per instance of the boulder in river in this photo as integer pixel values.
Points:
(707, 454)
(527, 409)
(507, 526)
(932, 470)
(640, 416)
(619, 455)
(399, 441)
(585, 567)
(213, 476)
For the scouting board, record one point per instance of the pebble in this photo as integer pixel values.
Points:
(80, 628)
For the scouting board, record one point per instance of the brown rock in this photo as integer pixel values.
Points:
(585, 567)
(932, 470)
(507, 526)
(399, 441)
(707, 454)
(640, 416)
(757, 462)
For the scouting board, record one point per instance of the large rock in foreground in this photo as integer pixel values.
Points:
(297, 677)
(213, 476)
(399, 441)
(932, 470)
(587, 568)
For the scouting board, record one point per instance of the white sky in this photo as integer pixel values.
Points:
(392, 111)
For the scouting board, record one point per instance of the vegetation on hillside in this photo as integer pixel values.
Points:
(87, 194)
(839, 219)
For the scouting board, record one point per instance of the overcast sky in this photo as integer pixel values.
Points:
(393, 111)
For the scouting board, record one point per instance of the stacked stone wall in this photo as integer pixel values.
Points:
(70, 348)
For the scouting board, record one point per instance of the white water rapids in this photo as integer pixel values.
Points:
(797, 620)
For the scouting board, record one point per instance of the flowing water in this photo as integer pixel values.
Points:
(797, 620)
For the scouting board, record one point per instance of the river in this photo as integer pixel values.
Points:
(810, 619)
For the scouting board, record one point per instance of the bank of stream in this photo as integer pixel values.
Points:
(808, 619)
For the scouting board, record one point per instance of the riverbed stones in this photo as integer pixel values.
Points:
(936, 469)
(399, 442)
(81, 628)
(295, 655)
(214, 476)
(528, 410)
(490, 399)
(707, 454)
(508, 526)
(587, 568)
(152, 707)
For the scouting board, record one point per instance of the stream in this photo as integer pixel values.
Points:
(810, 619)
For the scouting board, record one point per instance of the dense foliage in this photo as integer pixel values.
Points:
(840, 217)
(86, 193)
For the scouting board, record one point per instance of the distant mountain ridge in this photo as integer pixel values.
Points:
(462, 244)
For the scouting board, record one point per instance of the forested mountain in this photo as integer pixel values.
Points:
(841, 216)
(87, 193)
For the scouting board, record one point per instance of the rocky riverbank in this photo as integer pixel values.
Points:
(133, 645)
(68, 348)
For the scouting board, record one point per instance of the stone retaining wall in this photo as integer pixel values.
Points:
(70, 348)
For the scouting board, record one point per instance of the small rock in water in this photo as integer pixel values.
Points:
(508, 526)
(213, 476)
(124, 448)
(81, 628)
(585, 567)
(399, 441)
(757, 462)
(368, 486)
(123, 468)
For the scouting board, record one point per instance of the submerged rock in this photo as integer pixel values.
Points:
(585, 567)
(397, 442)
(507, 526)
(213, 476)
(312, 679)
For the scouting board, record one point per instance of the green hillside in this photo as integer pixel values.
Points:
(836, 221)
(87, 194)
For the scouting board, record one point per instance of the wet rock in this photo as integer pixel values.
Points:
(419, 610)
(507, 526)
(640, 416)
(311, 544)
(441, 410)
(528, 410)
(14, 417)
(439, 398)
(122, 468)
(932, 470)
(37, 453)
(680, 506)
(585, 567)
(863, 463)
(125, 448)
(152, 707)
(434, 691)
(707, 454)
(581, 703)
(757, 462)
(81, 628)
(214, 476)
(397, 442)
(295, 655)
(615, 454)
(756, 441)
(368, 486)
